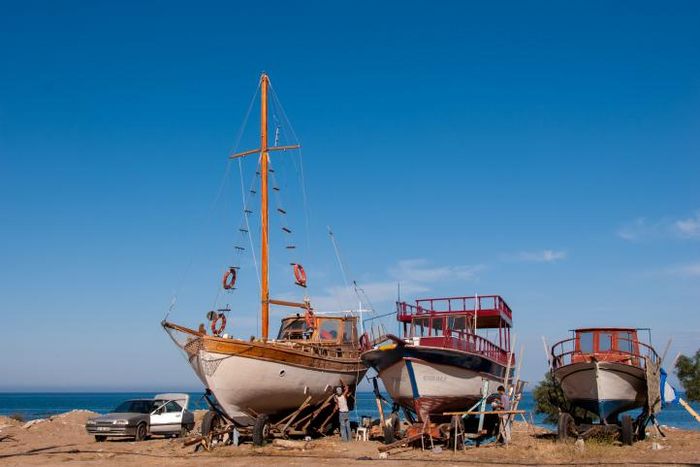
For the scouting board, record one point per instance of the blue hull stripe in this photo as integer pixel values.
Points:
(412, 378)
(606, 408)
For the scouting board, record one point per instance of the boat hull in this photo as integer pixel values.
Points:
(603, 388)
(430, 381)
(248, 379)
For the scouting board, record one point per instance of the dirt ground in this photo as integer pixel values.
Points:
(62, 440)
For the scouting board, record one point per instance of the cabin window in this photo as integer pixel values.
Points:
(329, 329)
(585, 342)
(420, 327)
(436, 325)
(457, 323)
(605, 341)
(624, 342)
(293, 329)
(348, 332)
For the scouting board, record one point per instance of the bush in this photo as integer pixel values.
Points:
(18, 417)
(688, 371)
(550, 401)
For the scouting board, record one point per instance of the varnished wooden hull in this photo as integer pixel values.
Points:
(249, 378)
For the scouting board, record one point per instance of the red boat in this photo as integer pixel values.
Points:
(446, 353)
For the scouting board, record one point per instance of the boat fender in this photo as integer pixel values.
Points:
(230, 278)
(300, 274)
(218, 330)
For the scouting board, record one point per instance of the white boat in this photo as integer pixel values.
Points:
(267, 378)
(441, 363)
(604, 371)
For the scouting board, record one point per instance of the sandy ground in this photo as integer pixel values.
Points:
(62, 440)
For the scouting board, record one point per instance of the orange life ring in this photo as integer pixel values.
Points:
(217, 331)
(230, 278)
(300, 274)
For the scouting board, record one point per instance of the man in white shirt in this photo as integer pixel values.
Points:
(341, 398)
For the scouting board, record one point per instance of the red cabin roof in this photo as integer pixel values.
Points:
(491, 311)
(605, 329)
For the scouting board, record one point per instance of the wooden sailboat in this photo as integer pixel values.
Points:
(268, 378)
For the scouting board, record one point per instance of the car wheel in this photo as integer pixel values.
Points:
(140, 434)
(183, 432)
(100, 438)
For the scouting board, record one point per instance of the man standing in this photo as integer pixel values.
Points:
(503, 403)
(341, 399)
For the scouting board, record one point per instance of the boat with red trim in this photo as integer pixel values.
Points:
(607, 371)
(449, 347)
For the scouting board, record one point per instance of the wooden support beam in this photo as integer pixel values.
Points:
(296, 414)
(289, 304)
(690, 410)
(486, 412)
(401, 443)
(255, 151)
(244, 153)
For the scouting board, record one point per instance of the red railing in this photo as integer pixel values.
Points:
(565, 353)
(467, 342)
(435, 306)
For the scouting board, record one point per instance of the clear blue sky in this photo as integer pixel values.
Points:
(547, 152)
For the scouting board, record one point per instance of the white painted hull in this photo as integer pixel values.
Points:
(603, 388)
(431, 387)
(246, 386)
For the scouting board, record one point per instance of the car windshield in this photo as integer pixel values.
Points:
(142, 406)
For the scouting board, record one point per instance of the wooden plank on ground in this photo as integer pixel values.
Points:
(400, 443)
(487, 412)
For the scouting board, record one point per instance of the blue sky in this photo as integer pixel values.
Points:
(544, 151)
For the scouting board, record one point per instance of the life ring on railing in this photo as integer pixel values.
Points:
(300, 274)
(230, 278)
(364, 342)
(218, 330)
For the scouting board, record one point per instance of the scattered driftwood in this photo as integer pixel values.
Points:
(7, 438)
(291, 444)
(401, 443)
(31, 423)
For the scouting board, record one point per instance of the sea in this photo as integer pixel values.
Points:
(35, 405)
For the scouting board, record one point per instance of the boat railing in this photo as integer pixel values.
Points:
(565, 353)
(468, 342)
(428, 306)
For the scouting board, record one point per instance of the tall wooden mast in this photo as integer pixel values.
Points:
(264, 243)
(264, 151)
